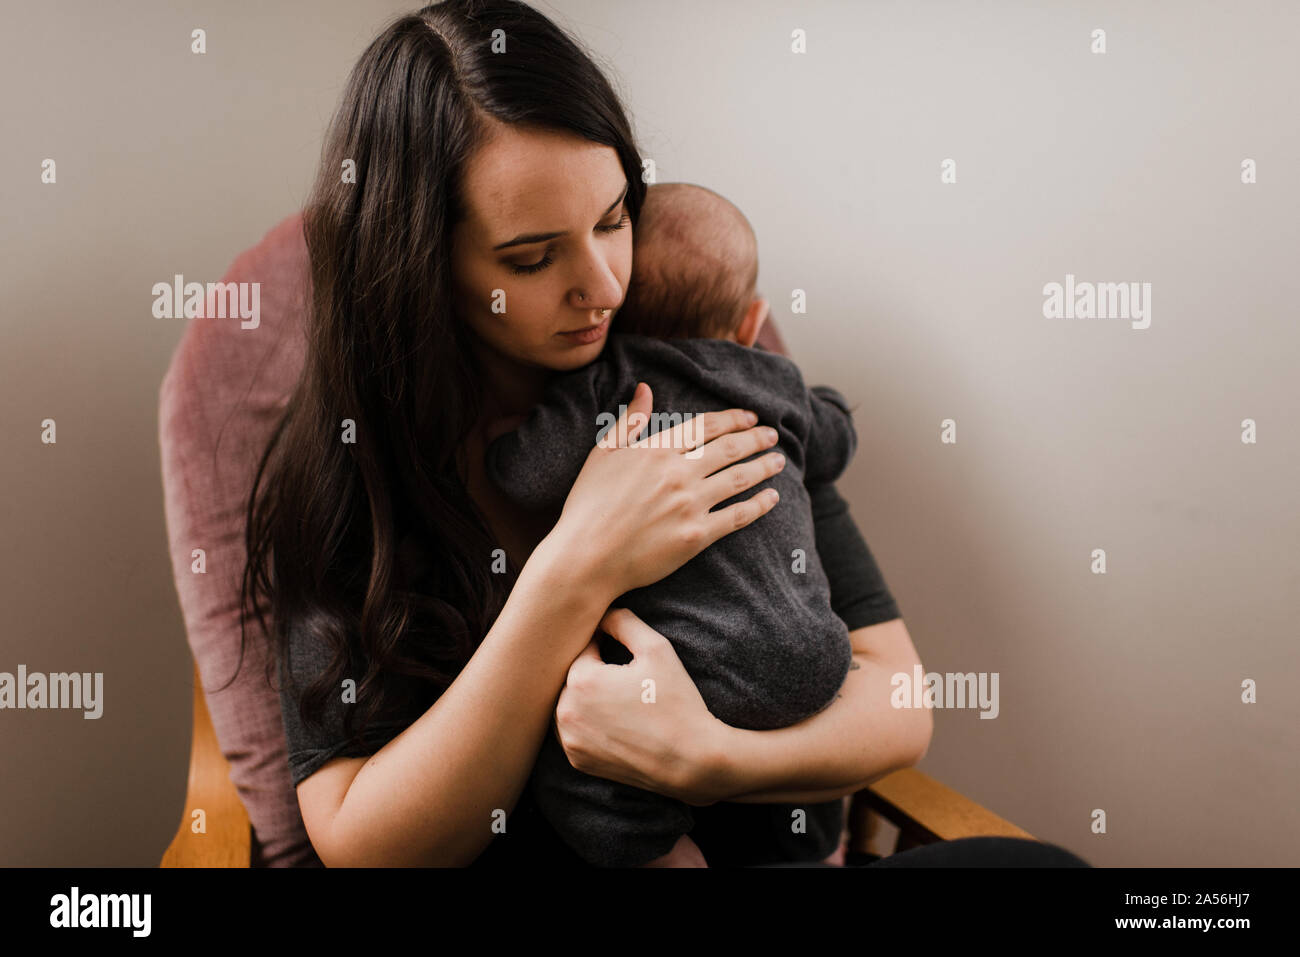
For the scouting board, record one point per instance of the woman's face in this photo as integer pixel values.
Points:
(545, 245)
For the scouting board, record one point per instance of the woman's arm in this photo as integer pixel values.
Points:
(859, 738)
(679, 749)
(856, 739)
(430, 795)
(427, 797)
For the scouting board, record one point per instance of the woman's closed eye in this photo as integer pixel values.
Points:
(546, 259)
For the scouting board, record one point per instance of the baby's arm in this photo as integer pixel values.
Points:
(537, 464)
(831, 440)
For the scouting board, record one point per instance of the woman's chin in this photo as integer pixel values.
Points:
(575, 356)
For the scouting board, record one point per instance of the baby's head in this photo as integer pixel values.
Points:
(694, 269)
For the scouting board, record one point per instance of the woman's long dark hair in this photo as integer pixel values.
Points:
(385, 350)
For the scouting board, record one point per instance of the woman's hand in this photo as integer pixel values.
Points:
(639, 510)
(643, 723)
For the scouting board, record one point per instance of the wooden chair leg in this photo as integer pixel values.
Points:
(864, 825)
(226, 837)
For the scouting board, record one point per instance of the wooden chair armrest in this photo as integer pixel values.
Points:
(226, 841)
(926, 811)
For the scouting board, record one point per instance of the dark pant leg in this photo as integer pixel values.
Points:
(973, 852)
(983, 852)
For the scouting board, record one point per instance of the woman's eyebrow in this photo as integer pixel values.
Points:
(527, 238)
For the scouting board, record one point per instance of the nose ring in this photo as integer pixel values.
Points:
(582, 297)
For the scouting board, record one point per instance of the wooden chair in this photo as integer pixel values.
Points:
(920, 807)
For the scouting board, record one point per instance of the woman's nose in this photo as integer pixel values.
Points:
(596, 285)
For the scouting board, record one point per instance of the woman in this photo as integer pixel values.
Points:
(470, 236)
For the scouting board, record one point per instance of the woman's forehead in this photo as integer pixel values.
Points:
(525, 181)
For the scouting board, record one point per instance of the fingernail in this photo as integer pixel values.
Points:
(751, 418)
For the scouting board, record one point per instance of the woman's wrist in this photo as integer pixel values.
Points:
(571, 573)
(733, 767)
(720, 769)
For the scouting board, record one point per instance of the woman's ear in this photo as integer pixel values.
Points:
(755, 316)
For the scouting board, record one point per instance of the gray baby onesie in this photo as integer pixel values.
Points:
(750, 616)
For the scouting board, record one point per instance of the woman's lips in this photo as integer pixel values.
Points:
(590, 334)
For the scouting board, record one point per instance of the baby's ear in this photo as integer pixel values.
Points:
(755, 316)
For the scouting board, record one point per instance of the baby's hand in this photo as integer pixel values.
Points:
(685, 853)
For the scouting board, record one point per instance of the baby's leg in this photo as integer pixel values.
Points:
(837, 857)
(607, 823)
(685, 853)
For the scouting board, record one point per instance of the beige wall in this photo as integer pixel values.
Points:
(1119, 691)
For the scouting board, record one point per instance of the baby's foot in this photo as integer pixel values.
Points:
(685, 853)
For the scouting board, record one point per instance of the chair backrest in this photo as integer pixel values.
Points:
(219, 402)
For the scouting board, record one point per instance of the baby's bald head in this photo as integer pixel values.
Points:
(694, 266)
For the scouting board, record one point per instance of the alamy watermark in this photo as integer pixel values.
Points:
(948, 690)
(75, 909)
(57, 690)
(218, 300)
(689, 436)
(1102, 300)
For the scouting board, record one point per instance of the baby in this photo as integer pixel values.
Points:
(750, 616)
